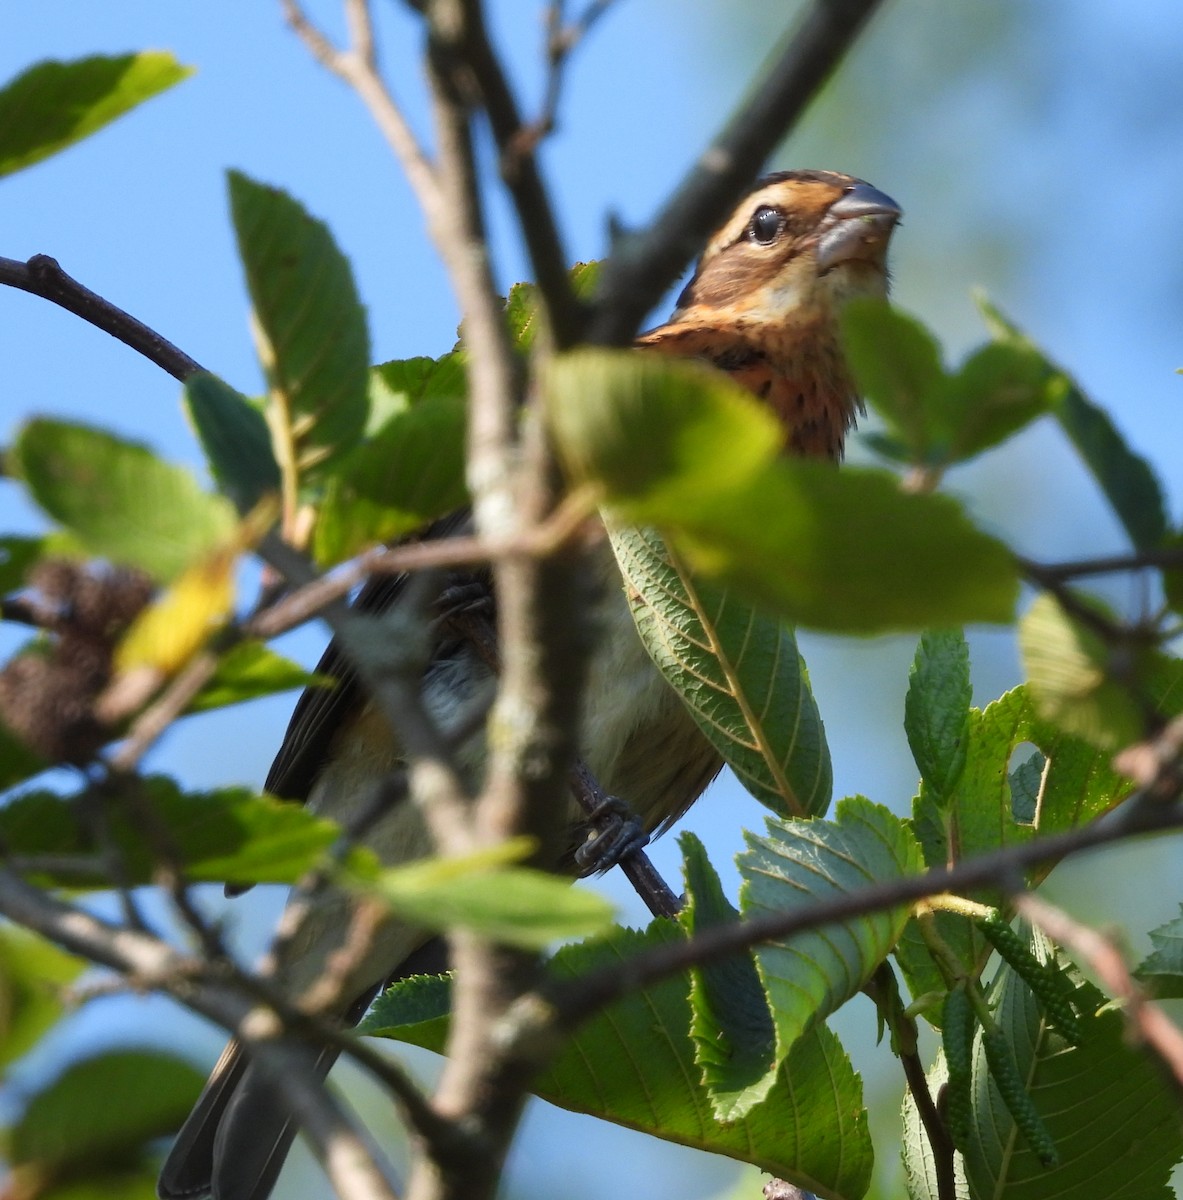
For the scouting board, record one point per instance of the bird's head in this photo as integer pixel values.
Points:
(764, 301)
(797, 246)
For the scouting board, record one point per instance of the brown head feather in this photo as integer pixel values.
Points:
(763, 303)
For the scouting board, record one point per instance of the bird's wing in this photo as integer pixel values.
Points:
(321, 712)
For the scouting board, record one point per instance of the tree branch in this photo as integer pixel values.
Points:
(346, 1153)
(1167, 557)
(580, 999)
(41, 276)
(520, 173)
(531, 727)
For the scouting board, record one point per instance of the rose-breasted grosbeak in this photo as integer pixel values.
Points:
(761, 306)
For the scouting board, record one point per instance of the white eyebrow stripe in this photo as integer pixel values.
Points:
(772, 194)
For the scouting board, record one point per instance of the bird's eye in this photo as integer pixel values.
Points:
(765, 224)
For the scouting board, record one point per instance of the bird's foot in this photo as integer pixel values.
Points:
(616, 833)
(468, 608)
(465, 596)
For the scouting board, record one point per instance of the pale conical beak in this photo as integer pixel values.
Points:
(857, 228)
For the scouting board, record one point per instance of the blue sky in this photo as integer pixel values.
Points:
(1034, 150)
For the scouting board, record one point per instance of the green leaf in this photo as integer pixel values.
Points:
(1078, 782)
(1026, 782)
(936, 708)
(406, 474)
(733, 1032)
(1118, 1137)
(1071, 677)
(17, 555)
(224, 836)
(137, 1182)
(841, 550)
(236, 440)
(517, 906)
(604, 405)
(32, 974)
(310, 328)
(397, 385)
(54, 104)
(999, 389)
(102, 1109)
(634, 1065)
(118, 499)
(414, 1010)
(1076, 785)
(522, 308)
(1172, 578)
(17, 761)
(1000, 327)
(887, 446)
(810, 975)
(409, 468)
(942, 418)
(1126, 478)
(250, 671)
(848, 551)
(737, 669)
(897, 365)
(1162, 969)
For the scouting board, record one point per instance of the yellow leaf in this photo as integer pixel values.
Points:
(168, 633)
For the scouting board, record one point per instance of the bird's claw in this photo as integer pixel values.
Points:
(463, 597)
(616, 833)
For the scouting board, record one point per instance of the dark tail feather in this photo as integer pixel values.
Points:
(188, 1170)
(234, 1142)
(255, 1134)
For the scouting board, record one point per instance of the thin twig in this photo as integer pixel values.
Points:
(1089, 615)
(1165, 557)
(1154, 765)
(884, 991)
(157, 718)
(168, 862)
(307, 601)
(93, 808)
(561, 41)
(1122, 640)
(357, 67)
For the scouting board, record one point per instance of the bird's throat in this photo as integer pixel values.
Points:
(802, 378)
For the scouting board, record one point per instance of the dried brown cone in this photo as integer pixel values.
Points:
(48, 692)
